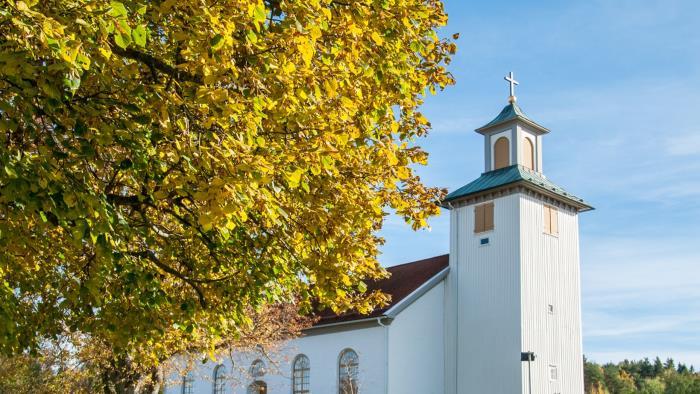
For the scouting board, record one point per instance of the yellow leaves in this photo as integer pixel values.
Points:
(22, 6)
(294, 178)
(306, 49)
(289, 68)
(330, 86)
(403, 173)
(377, 38)
(205, 221)
(314, 33)
(240, 133)
(391, 158)
(106, 52)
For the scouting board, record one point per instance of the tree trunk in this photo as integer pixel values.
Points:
(121, 378)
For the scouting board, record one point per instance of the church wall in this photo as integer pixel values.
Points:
(416, 353)
(488, 302)
(550, 276)
(322, 350)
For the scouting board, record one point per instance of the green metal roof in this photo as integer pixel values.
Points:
(515, 173)
(510, 112)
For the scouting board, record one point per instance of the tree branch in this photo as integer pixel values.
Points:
(155, 63)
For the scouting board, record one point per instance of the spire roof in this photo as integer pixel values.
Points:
(512, 112)
(512, 175)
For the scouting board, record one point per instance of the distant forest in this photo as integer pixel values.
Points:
(643, 376)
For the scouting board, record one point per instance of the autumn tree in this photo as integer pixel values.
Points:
(167, 167)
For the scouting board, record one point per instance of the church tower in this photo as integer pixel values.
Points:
(514, 284)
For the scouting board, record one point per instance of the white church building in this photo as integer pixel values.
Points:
(499, 314)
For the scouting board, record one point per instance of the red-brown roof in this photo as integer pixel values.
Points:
(404, 279)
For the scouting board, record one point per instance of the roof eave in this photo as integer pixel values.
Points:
(392, 312)
(541, 129)
(417, 293)
(581, 206)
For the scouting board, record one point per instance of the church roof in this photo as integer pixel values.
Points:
(514, 174)
(511, 112)
(405, 281)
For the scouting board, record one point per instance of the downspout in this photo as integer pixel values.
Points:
(386, 353)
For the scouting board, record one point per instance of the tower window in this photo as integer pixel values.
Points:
(483, 217)
(551, 220)
(553, 373)
(501, 153)
(528, 154)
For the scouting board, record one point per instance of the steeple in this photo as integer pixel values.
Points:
(513, 154)
(512, 138)
(514, 282)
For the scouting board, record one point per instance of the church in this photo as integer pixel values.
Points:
(499, 314)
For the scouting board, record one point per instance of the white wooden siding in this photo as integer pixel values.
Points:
(416, 357)
(488, 301)
(551, 275)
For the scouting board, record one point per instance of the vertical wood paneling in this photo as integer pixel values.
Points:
(488, 299)
(502, 292)
(550, 275)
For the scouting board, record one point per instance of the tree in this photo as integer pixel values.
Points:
(169, 167)
(594, 378)
(658, 366)
(652, 386)
(51, 370)
(618, 381)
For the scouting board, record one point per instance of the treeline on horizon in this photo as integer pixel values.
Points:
(643, 376)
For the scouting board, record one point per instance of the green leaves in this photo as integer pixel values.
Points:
(122, 34)
(117, 10)
(217, 42)
(139, 35)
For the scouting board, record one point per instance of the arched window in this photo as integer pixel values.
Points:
(188, 383)
(528, 154)
(257, 369)
(257, 387)
(300, 375)
(348, 371)
(501, 153)
(220, 379)
(257, 372)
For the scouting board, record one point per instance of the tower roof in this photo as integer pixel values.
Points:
(512, 112)
(517, 174)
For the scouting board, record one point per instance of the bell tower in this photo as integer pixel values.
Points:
(512, 138)
(514, 281)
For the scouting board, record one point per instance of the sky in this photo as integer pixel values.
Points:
(617, 83)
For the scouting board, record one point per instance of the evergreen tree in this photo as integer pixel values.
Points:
(670, 364)
(658, 366)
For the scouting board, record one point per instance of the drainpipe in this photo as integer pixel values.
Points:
(386, 354)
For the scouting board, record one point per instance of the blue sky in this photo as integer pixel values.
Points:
(617, 82)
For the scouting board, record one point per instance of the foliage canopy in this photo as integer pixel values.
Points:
(166, 166)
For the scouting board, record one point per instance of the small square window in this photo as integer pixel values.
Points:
(484, 241)
(550, 309)
(553, 373)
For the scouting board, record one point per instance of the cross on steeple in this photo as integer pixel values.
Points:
(511, 80)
